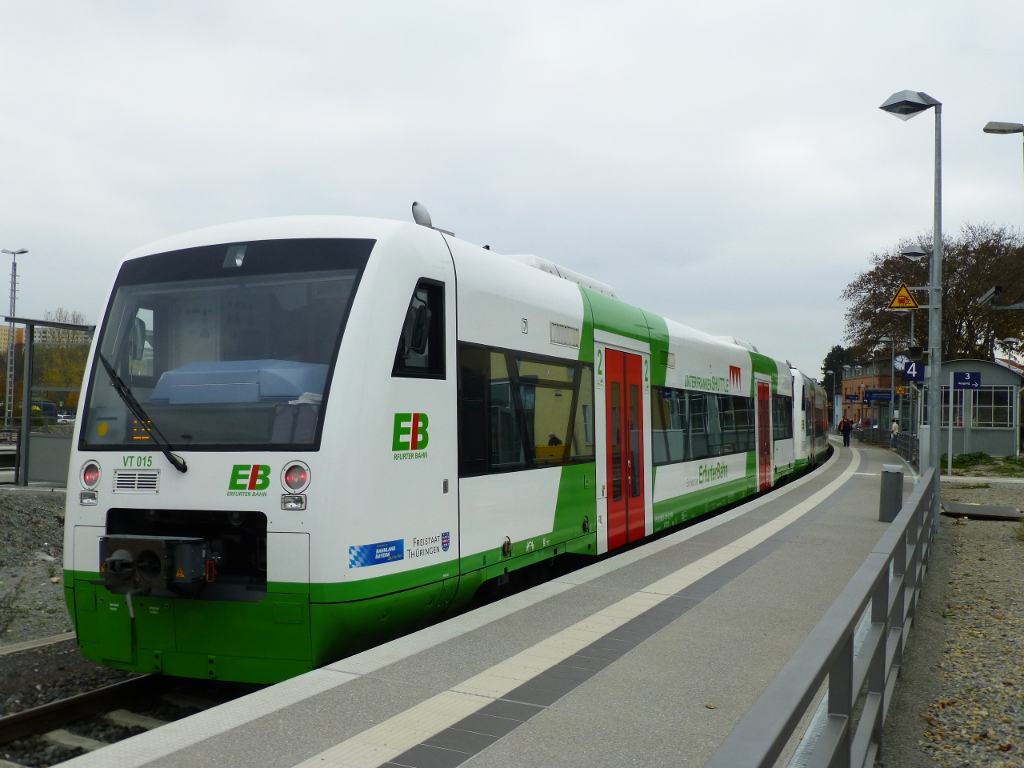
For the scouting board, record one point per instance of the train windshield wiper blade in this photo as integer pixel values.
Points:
(140, 413)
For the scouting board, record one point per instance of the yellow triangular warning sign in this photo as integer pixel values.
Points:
(903, 299)
(179, 574)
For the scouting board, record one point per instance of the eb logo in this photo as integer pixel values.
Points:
(249, 477)
(410, 433)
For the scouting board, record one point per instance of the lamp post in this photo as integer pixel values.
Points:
(846, 375)
(832, 420)
(904, 105)
(1003, 128)
(892, 377)
(9, 399)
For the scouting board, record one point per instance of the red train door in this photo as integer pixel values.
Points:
(624, 420)
(764, 436)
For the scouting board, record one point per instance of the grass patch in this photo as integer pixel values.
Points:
(971, 486)
(965, 460)
(1008, 470)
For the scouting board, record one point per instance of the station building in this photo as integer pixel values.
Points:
(865, 391)
(985, 419)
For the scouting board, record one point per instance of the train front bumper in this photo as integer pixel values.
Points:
(265, 641)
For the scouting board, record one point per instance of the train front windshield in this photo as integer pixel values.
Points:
(223, 347)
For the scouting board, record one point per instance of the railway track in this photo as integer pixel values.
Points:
(63, 729)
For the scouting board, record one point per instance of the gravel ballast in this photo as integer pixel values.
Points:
(31, 565)
(32, 605)
(959, 702)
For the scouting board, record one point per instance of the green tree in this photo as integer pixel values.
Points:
(976, 259)
(834, 361)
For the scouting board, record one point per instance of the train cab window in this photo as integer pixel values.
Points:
(420, 352)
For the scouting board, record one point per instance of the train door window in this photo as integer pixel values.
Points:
(635, 427)
(616, 442)
(420, 352)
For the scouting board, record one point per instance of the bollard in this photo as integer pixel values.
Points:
(890, 497)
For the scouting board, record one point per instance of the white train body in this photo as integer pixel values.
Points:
(376, 418)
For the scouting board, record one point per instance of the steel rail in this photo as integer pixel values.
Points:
(55, 713)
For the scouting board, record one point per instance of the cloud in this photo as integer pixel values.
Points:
(725, 165)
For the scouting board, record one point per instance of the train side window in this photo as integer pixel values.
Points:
(782, 417)
(688, 425)
(474, 380)
(518, 412)
(583, 422)
(420, 352)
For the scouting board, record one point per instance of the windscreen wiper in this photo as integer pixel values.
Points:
(143, 418)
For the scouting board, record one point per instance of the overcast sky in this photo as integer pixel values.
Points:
(723, 164)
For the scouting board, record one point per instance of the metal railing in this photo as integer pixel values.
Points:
(859, 685)
(907, 445)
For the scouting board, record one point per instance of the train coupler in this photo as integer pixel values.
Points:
(158, 565)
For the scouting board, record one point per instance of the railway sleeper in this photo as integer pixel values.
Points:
(132, 720)
(187, 701)
(68, 739)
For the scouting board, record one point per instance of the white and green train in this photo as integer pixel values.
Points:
(303, 436)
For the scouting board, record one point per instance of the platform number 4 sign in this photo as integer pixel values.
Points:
(914, 371)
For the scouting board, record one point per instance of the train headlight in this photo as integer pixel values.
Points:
(293, 501)
(90, 475)
(295, 477)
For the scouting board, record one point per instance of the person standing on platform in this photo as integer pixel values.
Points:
(846, 427)
(895, 429)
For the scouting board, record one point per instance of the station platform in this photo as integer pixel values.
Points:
(646, 658)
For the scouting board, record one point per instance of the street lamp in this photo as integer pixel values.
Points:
(1010, 345)
(904, 105)
(9, 399)
(1003, 128)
